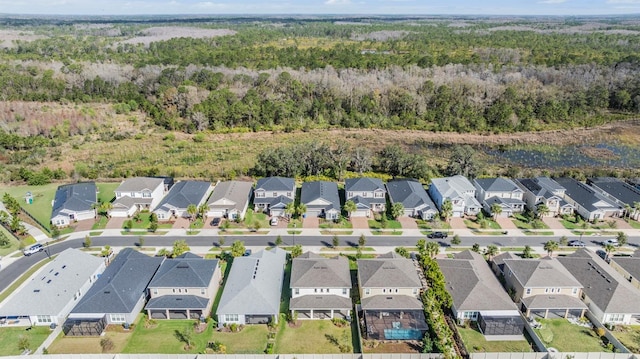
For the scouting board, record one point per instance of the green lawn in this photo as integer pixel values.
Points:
(145, 220)
(391, 224)
(162, 338)
(10, 336)
(294, 223)
(342, 223)
(106, 191)
(311, 338)
(524, 223)
(23, 278)
(251, 218)
(101, 223)
(90, 345)
(629, 335)
(251, 340)
(634, 224)
(566, 337)
(13, 243)
(475, 343)
(491, 224)
(422, 224)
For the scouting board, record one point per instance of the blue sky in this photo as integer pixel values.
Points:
(389, 7)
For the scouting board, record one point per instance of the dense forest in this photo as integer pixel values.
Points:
(221, 75)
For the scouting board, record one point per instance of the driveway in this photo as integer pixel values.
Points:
(408, 222)
(84, 225)
(506, 223)
(116, 222)
(553, 222)
(457, 223)
(360, 222)
(311, 222)
(181, 223)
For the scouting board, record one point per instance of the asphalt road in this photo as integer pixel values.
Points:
(16, 269)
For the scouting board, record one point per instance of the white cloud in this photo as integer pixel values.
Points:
(552, 1)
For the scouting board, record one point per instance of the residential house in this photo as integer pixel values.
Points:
(368, 194)
(390, 289)
(589, 204)
(48, 297)
(320, 287)
(610, 297)
(230, 199)
(457, 189)
(501, 191)
(74, 202)
(117, 297)
(544, 288)
(180, 197)
(137, 194)
(544, 190)
(272, 194)
(497, 262)
(251, 294)
(628, 267)
(413, 197)
(321, 199)
(622, 193)
(184, 288)
(478, 296)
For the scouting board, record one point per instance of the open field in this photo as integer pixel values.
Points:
(9, 338)
(475, 342)
(566, 337)
(311, 338)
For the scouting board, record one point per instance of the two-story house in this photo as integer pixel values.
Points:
(457, 189)
(414, 198)
(137, 194)
(183, 288)
(321, 199)
(609, 296)
(589, 204)
(544, 190)
(628, 267)
(390, 290)
(230, 199)
(544, 288)
(320, 287)
(180, 197)
(272, 194)
(501, 191)
(368, 194)
(478, 296)
(622, 193)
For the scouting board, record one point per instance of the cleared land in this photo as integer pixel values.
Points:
(251, 340)
(312, 337)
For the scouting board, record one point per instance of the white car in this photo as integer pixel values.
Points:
(613, 242)
(274, 221)
(33, 249)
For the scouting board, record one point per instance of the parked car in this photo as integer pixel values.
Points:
(437, 235)
(602, 254)
(613, 242)
(576, 243)
(273, 221)
(33, 249)
(215, 222)
(247, 253)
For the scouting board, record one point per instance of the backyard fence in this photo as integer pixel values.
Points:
(36, 221)
(241, 356)
(610, 337)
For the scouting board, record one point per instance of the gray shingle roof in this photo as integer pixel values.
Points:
(583, 194)
(629, 264)
(313, 271)
(453, 186)
(553, 301)
(184, 193)
(231, 195)
(121, 284)
(498, 184)
(54, 287)
(185, 272)
(320, 302)
(381, 272)
(139, 184)
(254, 284)
(533, 185)
(325, 190)
(276, 184)
(273, 202)
(541, 273)
(177, 302)
(472, 285)
(410, 193)
(77, 197)
(605, 287)
(363, 184)
(391, 302)
(617, 189)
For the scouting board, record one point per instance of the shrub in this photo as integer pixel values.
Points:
(106, 344)
(339, 322)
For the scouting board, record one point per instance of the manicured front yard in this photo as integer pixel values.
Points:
(251, 340)
(475, 342)
(522, 222)
(145, 220)
(566, 337)
(432, 224)
(10, 336)
(629, 335)
(90, 345)
(312, 337)
(342, 223)
(390, 224)
(484, 224)
(251, 218)
(162, 338)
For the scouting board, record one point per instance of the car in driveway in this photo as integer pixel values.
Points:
(612, 241)
(273, 221)
(33, 249)
(602, 254)
(437, 235)
(215, 222)
(576, 243)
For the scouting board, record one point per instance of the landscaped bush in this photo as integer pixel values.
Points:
(339, 322)
(546, 334)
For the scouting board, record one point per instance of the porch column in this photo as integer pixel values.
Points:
(546, 313)
(188, 314)
(310, 313)
(582, 313)
(331, 313)
(166, 311)
(566, 314)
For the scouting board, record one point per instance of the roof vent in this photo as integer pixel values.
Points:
(49, 281)
(389, 298)
(64, 266)
(36, 290)
(107, 292)
(178, 298)
(56, 274)
(183, 265)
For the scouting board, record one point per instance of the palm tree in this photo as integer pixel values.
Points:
(290, 209)
(636, 207)
(550, 247)
(301, 209)
(627, 211)
(202, 210)
(609, 248)
(192, 210)
(349, 207)
(491, 251)
(542, 210)
(446, 211)
(397, 209)
(496, 210)
(432, 249)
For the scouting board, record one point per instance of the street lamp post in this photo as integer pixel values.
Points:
(46, 249)
(294, 234)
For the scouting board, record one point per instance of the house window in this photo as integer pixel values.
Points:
(470, 315)
(231, 317)
(574, 291)
(155, 290)
(546, 290)
(378, 195)
(384, 290)
(296, 291)
(260, 194)
(528, 290)
(396, 290)
(174, 290)
(289, 194)
(344, 291)
(364, 194)
(350, 195)
(367, 291)
(415, 291)
(146, 195)
(43, 319)
(275, 194)
(117, 318)
(203, 291)
(315, 290)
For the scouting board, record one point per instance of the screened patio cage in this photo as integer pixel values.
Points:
(500, 324)
(84, 327)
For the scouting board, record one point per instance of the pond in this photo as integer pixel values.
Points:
(576, 155)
